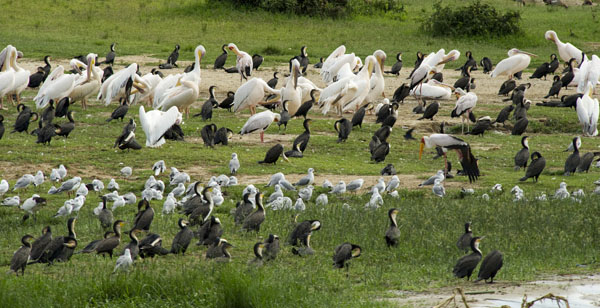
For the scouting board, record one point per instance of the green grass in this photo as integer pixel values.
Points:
(537, 238)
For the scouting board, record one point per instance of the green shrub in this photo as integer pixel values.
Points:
(476, 19)
(325, 8)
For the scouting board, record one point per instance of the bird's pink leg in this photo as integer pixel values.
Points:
(262, 134)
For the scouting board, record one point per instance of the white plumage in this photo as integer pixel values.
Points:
(517, 61)
(124, 262)
(260, 122)
(91, 83)
(587, 112)
(251, 94)
(57, 85)
(7, 75)
(181, 96)
(234, 164)
(155, 123)
(566, 51)
(114, 86)
(21, 77)
(588, 73)
(432, 89)
(377, 82)
(291, 92)
(243, 61)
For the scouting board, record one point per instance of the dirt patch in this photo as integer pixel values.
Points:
(580, 291)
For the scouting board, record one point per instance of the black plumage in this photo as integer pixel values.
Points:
(221, 59)
(257, 60)
(174, 56)
(392, 235)
(570, 100)
(344, 253)
(36, 79)
(343, 127)
(537, 165)
(302, 230)
(273, 81)
(182, 238)
(586, 161)
(574, 159)
(504, 114)
(401, 93)
(91, 247)
(541, 71)
(408, 135)
(383, 112)
(210, 231)
(108, 71)
(223, 135)
(383, 133)
(466, 265)
(273, 154)
(490, 266)
(218, 250)
(302, 60)
(439, 76)
(380, 152)
(191, 67)
(481, 126)
(306, 106)
(133, 246)
(284, 116)
(47, 67)
(39, 245)
(120, 112)
(520, 126)
(65, 129)
(62, 107)
(430, 111)
(61, 247)
(203, 209)
(320, 63)
(464, 241)
(555, 88)
(373, 144)
(47, 115)
(110, 56)
(253, 221)
(242, 209)
(487, 65)
(271, 247)
(1, 126)
(127, 138)
(464, 82)
(359, 116)
(21, 256)
(151, 246)
(388, 170)
(105, 216)
(301, 141)
(397, 66)
(570, 75)
(507, 86)
(418, 61)
(143, 219)
(227, 103)
(470, 64)
(175, 133)
(154, 71)
(208, 133)
(390, 120)
(207, 108)
(45, 133)
(522, 157)
(553, 63)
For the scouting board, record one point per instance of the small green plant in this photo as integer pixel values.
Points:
(476, 19)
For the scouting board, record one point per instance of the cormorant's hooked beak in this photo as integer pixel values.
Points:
(285, 157)
(421, 146)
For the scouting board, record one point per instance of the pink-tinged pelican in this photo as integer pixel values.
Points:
(587, 112)
(91, 84)
(377, 82)
(7, 75)
(566, 51)
(464, 106)
(58, 85)
(251, 94)
(243, 63)
(260, 122)
(588, 73)
(449, 142)
(291, 92)
(21, 79)
(517, 61)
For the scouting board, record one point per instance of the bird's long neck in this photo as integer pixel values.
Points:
(393, 222)
(117, 230)
(72, 230)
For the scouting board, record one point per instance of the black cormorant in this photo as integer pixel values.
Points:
(392, 235)
(537, 165)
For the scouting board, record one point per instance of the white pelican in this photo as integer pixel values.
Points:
(349, 92)
(453, 55)
(171, 80)
(243, 62)
(588, 73)
(449, 142)
(260, 122)
(58, 85)
(155, 123)
(7, 75)
(181, 96)
(91, 83)
(566, 51)
(587, 112)
(517, 61)
(21, 79)
(347, 68)
(326, 72)
(306, 86)
(251, 94)
(330, 73)
(464, 106)
(377, 83)
(291, 92)
(153, 80)
(432, 89)
(114, 87)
